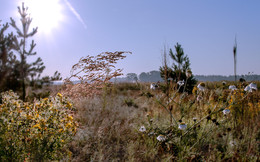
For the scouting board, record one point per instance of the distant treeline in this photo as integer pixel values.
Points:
(154, 76)
(226, 78)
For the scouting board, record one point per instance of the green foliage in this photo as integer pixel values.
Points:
(179, 69)
(181, 62)
(8, 72)
(36, 131)
(47, 80)
(16, 73)
(26, 69)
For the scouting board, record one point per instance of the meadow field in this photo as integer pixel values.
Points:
(131, 122)
(100, 112)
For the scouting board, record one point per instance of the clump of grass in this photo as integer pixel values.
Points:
(128, 86)
(130, 103)
(104, 133)
(147, 94)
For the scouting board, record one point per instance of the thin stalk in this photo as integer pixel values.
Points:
(235, 59)
(185, 84)
(168, 111)
(213, 112)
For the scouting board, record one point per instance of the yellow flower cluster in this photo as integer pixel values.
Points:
(48, 124)
(243, 105)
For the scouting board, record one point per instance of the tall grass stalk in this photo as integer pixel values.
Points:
(235, 59)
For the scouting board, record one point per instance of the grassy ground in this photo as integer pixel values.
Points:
(110, 125)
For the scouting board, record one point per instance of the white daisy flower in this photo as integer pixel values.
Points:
(232, 87)
(161, 138)
(251, 87)
(201, 86)
(226, 111)
(142, 129)
(153, 86)
(182, 126)
(247, 88)
(181, 82)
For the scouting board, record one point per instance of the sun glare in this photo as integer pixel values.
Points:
(47, 15)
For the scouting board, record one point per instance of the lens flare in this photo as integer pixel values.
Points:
(47, 15)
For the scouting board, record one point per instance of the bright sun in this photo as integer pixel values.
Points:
(47, 14)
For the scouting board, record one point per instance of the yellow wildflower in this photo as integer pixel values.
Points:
(68, 125)
(29, 117)
(37, 126)
(69, 105)
(195, 89)
(70, 118)
(58, 94)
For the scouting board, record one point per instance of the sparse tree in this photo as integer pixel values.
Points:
(20, 46)
(56, 76)
(181, 64)
(7, 60)
(47, 80)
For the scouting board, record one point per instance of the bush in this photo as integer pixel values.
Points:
(35, 131)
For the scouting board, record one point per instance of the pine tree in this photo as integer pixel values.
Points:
(181, 64)
(7, 59)
(20, 46)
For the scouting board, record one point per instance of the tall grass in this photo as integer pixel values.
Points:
(114, 133)
(130, 122)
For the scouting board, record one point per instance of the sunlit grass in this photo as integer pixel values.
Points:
(147, 131)
(131, 122)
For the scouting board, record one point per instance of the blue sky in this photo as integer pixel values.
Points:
(205, 29)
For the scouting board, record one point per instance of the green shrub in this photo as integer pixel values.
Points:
(35, 131)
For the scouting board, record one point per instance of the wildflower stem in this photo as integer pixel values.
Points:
(167, 111)
(185, 84)
(213, 112)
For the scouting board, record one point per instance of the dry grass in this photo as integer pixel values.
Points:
(110, 122)
(106, 128)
